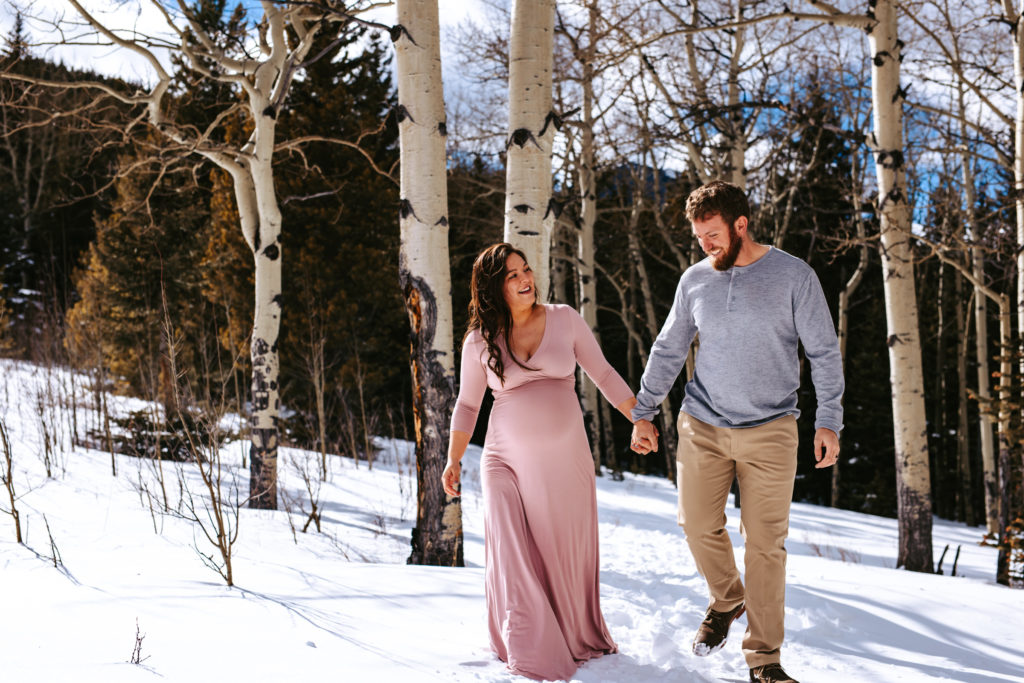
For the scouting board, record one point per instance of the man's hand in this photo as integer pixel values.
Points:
(829, 440)
(645, 437)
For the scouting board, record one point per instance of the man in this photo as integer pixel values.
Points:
(751, 304)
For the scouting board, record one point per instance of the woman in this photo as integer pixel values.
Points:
(540, 505)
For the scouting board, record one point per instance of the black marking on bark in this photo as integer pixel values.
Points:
(443, 220)
(402, 114)
(520, 137)
(277, 299)
(396, 32)
(528, 233)
(522, 208)
(272, 252)
(269, 111)
(585, 279)
(891, 159)
(263, 475)
(256, 242)
(273, 349)
(556, 120)
(901, 92)
(405, 210)
(259, 348)
(442, 128)
(555, 207)
(894, 196)
(880, 57)
(260, 400)
(893, 340)
(273, 386)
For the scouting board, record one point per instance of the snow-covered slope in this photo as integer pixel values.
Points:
(342, 605)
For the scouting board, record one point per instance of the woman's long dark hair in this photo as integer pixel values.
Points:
(488, 310)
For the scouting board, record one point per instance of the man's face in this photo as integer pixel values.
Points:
(719, 240)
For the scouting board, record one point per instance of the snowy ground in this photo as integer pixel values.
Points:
(343, 606)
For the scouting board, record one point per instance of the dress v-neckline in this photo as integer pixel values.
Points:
(543, 337)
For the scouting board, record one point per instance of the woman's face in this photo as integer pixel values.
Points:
(519, 290)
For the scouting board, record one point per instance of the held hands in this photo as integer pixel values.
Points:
(645, 437)
(450, 478)
(829, 440)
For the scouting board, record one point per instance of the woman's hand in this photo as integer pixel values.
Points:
(450, 478)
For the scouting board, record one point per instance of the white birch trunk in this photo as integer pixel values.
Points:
(668, 431)
(1014, 18)
(586, 273)
(965, 507)
(983, 354)
(735, 164)
(844, 305)
(425, 275)
(913, 481)
(266, 246)
(1003, 485)
(529, 211)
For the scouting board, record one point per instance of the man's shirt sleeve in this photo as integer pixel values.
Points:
(821, 347)
(667, 357)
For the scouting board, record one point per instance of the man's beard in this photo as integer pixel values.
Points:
(726, 260)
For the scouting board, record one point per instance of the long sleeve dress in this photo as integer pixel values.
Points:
(540, 504)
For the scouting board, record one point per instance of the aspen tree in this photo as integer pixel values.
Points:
(905, 368)
(978, 82)
(425, 275)
(530, 211)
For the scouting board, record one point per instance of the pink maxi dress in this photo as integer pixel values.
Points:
(540, 504)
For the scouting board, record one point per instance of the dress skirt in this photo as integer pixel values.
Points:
(540, 518)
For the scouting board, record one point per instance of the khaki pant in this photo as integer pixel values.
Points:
(763, 460)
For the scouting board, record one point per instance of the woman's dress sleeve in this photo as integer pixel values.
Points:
(593, 362)
(472, 385)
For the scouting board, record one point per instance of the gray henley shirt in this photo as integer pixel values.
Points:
(750, 320)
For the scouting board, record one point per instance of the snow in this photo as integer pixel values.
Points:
(343, 605)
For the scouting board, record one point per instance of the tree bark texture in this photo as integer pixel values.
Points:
(1004, 480)
(937, 425)
(734, 164)
(965, 508)
(1013, 18)
(586, 274)
(425, 276)
(983, 354)
(258, 190)
(844, 310)
(530, 211)
(668, 426)
(914, 503)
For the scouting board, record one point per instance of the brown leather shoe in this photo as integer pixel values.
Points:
(770, 673)
(714, 629)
